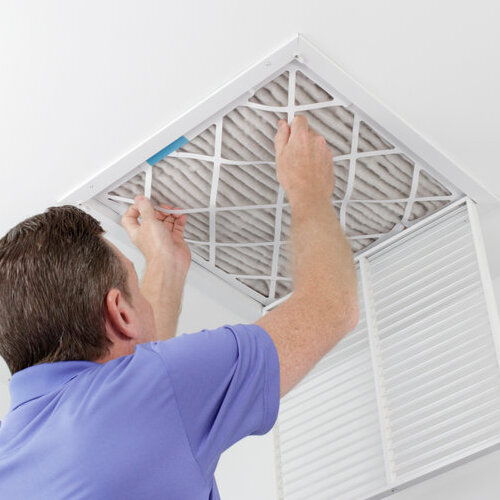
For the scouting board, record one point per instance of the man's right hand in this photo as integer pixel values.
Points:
(304, 163)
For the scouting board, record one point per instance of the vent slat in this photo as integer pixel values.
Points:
(334, 446)
(451, 380)
(484, 433)
(438, 361)
(464, 415)
(420, 303)
(407, 277)
(329, 485)
(440, 305)
(346, 372)
(353, 409)
(397, 384)
(457, 250)
(458, 302)
(420, 251)
(437, 354)
(405, 288)
(436, 409)
(434, 230)
(320, 404)
(404, 275)
(434, 333)
(457, 312)
(324, 448)
(347, 415)
(415, 291)
(355, 461)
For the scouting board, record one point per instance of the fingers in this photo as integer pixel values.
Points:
(169, 207)
(144, 207)
(281, 137)
(313, 133)
(176, 222)
(299, 124)
(162, 216)
(129, 219)
(180, 223)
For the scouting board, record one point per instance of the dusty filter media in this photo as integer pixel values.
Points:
(238, 216)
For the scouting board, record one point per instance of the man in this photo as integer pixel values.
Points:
(104, 405)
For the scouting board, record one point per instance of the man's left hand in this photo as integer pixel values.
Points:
(157, 235)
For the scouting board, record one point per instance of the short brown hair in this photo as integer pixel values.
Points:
(55, 272)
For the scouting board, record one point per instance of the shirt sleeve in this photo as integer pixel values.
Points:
(227, 386)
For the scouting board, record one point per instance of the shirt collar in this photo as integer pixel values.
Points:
(37, 380)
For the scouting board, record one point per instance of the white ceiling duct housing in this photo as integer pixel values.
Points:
(400, 202)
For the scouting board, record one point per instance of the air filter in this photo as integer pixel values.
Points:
(222, 174)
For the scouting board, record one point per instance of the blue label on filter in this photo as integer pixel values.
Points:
(178, 143)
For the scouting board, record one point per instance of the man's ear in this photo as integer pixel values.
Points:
(119, 316)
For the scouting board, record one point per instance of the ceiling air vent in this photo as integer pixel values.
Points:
(416, 387)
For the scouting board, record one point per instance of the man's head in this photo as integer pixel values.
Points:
(66, 293)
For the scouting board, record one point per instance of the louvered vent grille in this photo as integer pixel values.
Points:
(239, 219)
(414, 388)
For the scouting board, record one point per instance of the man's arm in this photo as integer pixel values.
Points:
(160, 238)
(323, 306)
(162, 286)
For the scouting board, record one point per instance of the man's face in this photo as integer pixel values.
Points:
(143, 311)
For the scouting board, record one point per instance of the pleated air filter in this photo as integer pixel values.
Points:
(416, 387)
(224, 177)
(239, 218)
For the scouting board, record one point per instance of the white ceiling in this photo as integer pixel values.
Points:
(82, 83)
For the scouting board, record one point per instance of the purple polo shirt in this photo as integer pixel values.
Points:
(151, 425)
